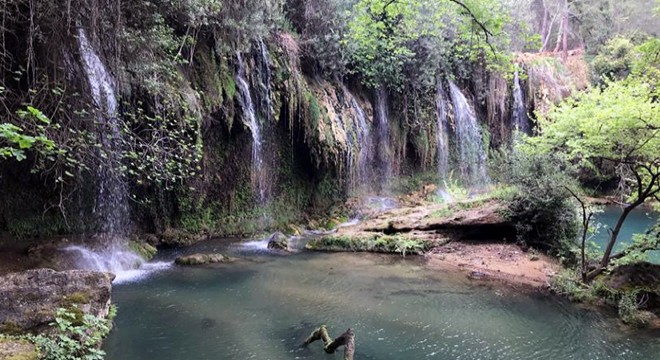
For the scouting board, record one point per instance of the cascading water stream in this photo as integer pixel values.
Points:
(519, 118)
(250, 120)
(266, 76)
(364, 140)
(112, 196)
(442, 137)
(384, 149)
(472, 156)
(443, 141)
(113, 254)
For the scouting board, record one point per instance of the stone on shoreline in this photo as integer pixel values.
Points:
(29, 300)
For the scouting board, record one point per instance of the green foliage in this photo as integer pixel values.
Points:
(614, 62)
(394, 43)
(74, 338)
(541, 209)
(568, 283)
(16, 140)
(617, 124)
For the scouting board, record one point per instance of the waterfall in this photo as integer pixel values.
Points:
(250, 120)
(364, 140)
(265, 78)
(442, 136)
(112, 195)
(383, 151)
(472, 156)
(519, 119)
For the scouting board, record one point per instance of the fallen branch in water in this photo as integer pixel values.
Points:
(347, 339)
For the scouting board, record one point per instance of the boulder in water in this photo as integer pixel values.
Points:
(29, 300)
(278, 241)
(202, 259)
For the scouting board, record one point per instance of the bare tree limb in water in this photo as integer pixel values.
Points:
(347, 339)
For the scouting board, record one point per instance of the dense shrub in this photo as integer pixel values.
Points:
(541, 208)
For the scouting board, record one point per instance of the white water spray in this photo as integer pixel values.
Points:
(472, 161)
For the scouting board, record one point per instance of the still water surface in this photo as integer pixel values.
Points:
(264, 306)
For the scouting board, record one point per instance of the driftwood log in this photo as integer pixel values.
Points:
(347, 339)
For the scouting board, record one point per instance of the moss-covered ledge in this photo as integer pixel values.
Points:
(371, 242)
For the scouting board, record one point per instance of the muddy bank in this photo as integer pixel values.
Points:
(505, 263)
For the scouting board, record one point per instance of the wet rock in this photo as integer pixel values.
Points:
(278, 241)
(477, 275)
(29, 300)
(178, 238)
(142, 248)
(202, 259)
(635, 275)
(11, 349)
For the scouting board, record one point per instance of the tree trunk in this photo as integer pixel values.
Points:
(615, 234)
(347, 339)
(565, 31)
(544, 26)
(605, 262)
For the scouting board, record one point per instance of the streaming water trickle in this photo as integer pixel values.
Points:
(112, 195)
(442, 135)
(519, 118)
(472, 156)
(384, 151)
(363, 137)
(111, 206)
(250, 120)
(265, 79)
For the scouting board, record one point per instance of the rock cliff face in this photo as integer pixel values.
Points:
(29, 300)
(420, 228)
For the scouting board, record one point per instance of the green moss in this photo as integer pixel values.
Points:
(17, 349)
(146, 251)
(379, 243)
(10, 328)
(441, 213)
(230, 87)
(75, 298)
(314, 111)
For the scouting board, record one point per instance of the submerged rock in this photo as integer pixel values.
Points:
(278, 241)
(201, 259)
(29, 300)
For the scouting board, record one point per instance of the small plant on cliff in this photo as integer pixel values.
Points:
(74, 337)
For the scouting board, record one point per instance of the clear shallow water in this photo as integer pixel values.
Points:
(264, 306)
(637, 222)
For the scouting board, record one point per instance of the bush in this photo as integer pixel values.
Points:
(74, 336)
(541, 209)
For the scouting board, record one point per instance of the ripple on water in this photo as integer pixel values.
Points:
(264, 309)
